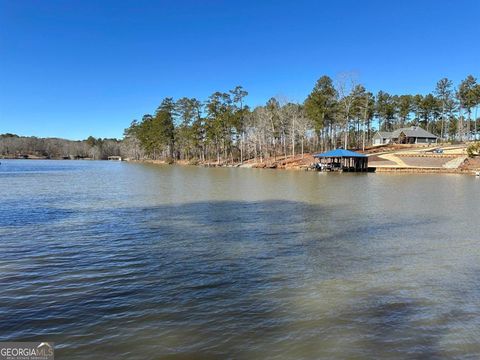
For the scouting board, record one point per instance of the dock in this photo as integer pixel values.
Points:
(342, 160)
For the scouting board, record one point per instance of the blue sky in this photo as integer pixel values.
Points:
(78, 68)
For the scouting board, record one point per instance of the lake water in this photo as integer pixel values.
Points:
(135, 261)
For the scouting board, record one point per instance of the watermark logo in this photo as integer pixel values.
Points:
(26, 351)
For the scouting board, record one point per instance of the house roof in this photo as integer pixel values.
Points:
(339, 153)
(414, 131)
(384, 134)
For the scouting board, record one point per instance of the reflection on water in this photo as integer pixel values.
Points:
(146, 262)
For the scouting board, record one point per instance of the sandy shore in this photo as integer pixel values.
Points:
(413, 160)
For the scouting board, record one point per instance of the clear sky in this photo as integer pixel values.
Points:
(74, 68)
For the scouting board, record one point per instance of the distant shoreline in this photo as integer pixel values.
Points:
(468, 170)
(413, 161)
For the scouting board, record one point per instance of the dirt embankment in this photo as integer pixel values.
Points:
(297, 162)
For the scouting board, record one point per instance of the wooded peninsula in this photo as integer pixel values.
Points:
(224, 130)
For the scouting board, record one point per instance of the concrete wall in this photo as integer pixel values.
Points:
(425, 141)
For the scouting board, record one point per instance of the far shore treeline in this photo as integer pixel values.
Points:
(12, 145)
(223, 129)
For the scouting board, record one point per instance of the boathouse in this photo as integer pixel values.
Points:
(342, 160)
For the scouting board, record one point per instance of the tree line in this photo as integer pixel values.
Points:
(12, 145)
(340, 113)
(224, 129)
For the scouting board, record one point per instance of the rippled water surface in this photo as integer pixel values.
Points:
(132, 261)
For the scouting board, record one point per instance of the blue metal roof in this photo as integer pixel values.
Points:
(339, 153)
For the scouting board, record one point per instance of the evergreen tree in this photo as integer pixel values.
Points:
(467, 99)
(321, 106)
(444, 93)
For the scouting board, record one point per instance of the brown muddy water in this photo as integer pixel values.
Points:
(134, 261)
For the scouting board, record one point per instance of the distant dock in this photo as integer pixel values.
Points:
(115, 158)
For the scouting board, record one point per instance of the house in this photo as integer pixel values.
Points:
(410, 135)
(382, 137)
